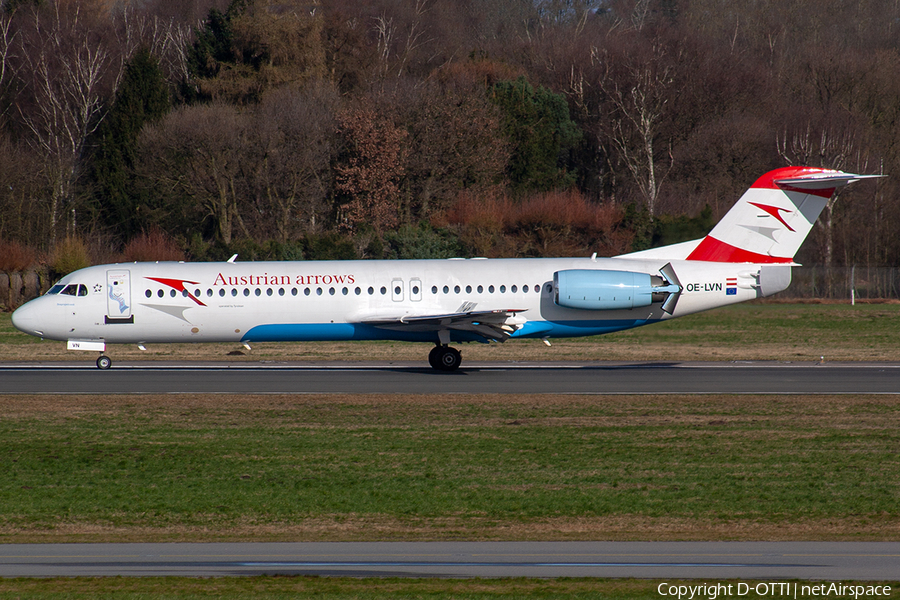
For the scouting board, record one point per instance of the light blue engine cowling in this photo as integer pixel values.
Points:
(603, 290)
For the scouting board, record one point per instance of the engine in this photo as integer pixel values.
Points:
(588, 289)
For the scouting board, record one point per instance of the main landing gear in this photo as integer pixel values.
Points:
(444, 358)
(104, 362)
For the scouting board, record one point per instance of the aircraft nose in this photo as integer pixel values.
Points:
(25, 319)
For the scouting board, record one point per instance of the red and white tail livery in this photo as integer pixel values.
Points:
(747, 255)
(771, 220)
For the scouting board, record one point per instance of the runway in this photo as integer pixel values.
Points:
(711, 561)
(549, 378)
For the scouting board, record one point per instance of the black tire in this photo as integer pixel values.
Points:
(104, 362)
(445, 358)
(434, 357)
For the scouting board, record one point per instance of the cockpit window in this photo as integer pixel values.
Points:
(55, 289)
(73, 289)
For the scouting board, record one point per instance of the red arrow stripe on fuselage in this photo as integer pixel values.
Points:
(178, 285)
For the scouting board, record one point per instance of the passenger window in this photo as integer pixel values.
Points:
(513, 289)
(502, 289)
(234, 291)
(468, 289)
(246, 291)
(281, 291)
(434, 289)
(148, 293)
(269, 292)
(491, 289)
(480, 289)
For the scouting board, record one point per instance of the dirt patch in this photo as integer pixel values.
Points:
(383, 528)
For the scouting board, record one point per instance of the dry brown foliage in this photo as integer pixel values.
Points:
(153, 245)
(371, 175)
(555, 223)
(16, 257)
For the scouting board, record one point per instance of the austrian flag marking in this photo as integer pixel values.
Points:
(731, 286)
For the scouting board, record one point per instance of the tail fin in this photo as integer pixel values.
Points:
(771, 220)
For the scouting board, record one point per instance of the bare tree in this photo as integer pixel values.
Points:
(396, 44)
(199, 152)
(70, 67)
(165, 38)
(292, 140)
(830, 147)
(8, 56)
(638, 89)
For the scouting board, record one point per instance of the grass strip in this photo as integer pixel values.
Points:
(208, 468)
(327, 588)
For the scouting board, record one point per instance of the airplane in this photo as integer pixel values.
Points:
(747, 255)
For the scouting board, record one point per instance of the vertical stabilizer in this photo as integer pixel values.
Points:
(771, 220)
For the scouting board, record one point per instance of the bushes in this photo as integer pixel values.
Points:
(69, 255)
(555, 223)
(152, 246)
(16, 257)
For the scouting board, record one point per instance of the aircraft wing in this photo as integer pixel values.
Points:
(492, 325)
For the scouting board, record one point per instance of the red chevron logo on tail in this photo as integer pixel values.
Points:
(774, 211)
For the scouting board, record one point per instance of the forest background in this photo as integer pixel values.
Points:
(172, 129)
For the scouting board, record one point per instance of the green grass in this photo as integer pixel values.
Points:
(536, 467)
(278, 588)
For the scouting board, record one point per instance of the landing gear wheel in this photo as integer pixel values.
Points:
(104, 362)
(433, 357)
(444, 358)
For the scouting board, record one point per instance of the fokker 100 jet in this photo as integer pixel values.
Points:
(747, 255)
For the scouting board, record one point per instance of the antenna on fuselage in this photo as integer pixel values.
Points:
(232, 259)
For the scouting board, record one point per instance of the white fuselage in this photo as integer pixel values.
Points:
(339, 300)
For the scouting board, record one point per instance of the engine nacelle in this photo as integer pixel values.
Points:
(603, 290)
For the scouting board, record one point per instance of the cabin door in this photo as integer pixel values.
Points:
(118, 294)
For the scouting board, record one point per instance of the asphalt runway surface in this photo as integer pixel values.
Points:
(549, 378)
(710, 561)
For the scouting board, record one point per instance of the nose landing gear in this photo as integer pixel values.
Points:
(444, 358)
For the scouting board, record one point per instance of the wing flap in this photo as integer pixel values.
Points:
(492, 325)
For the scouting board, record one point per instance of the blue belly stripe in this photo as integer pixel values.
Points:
(312, 332)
